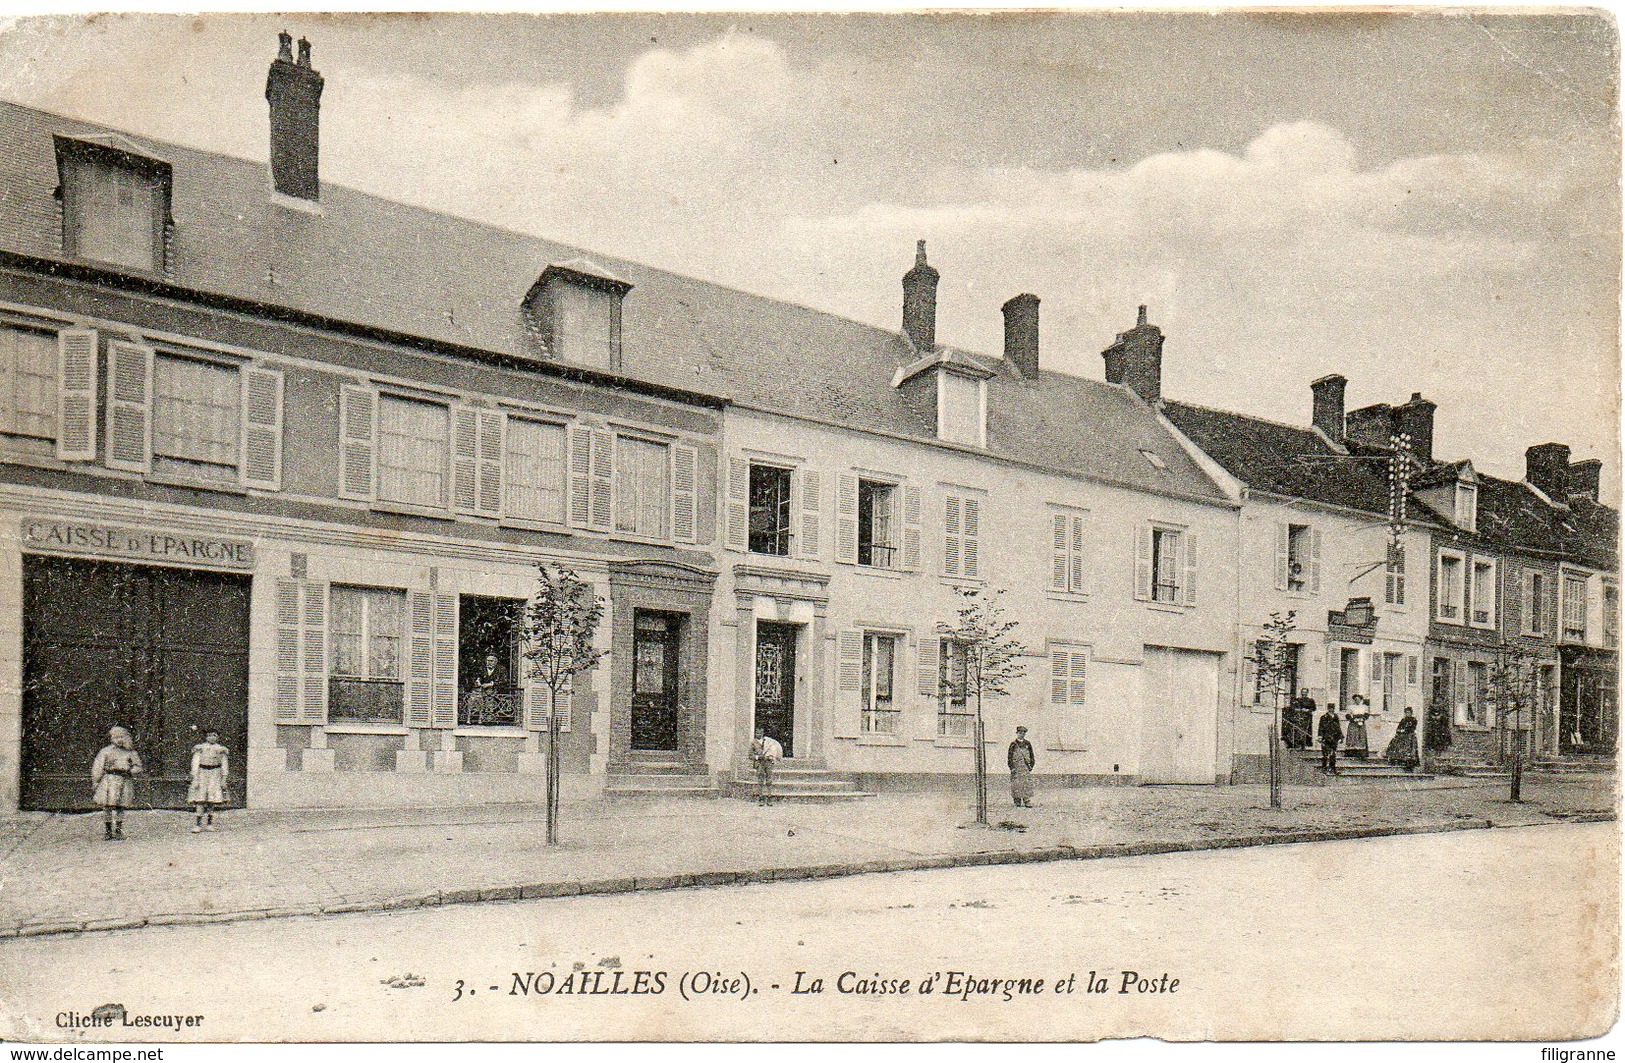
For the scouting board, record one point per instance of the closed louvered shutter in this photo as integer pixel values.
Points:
(911, 528)
(465, 459)
(1283, 555)
(930, 667)
(289, 637)
(846, 519)
(603, 480)
(846, 719)
(129, 406)
(76, 395)
(420, 659)
(1190, 568)
(314, 611)
(737, 518)
(685, 514)
(262, 428)
(971, 543)
(1060, 565)
(1314, 561)
(580, 476)
(358, 442)
(493, 448)
(445, 660)
(809, 540)
(1142, 563)
(952, 541)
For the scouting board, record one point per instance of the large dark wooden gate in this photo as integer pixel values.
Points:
(161, 651)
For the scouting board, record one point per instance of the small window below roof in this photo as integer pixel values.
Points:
(574, 310)
(115, 205)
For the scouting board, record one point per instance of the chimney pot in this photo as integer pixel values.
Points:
(284, 49)
(920, 302)
(294, 92)
(1329, 395)
(1135, 360)
(1021, 334)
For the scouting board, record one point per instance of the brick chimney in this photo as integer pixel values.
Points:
(1328, 411)
(1021, 334)
(1585, 478)
(920, 302)
(1370, 426)
(1135, 360)
(1415, 418)
(1546, 467)
(294, 91)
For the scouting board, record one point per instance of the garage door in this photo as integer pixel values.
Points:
(1180, 731)
(161, 651)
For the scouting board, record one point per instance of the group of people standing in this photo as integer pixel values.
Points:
(1349, 733)
(114, 772)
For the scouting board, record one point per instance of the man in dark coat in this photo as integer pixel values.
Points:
(1299, 718)
(1331, 734)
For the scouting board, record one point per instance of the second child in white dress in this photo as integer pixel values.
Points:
(208, 789)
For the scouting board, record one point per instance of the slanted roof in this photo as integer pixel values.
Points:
(371, 262)
(1591, 533)
(1284, 460)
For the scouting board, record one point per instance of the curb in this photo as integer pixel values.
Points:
(705, 879)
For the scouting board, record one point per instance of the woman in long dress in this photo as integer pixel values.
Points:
(1022, 761)
(1355, 742)
(1402, 750)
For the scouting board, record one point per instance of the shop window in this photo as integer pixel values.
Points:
(27, 383)
(881, 713)
(489, 662)
(770, 520)
(954, 718)
(367, 680)
(196, 414)
(413, 451)
(877, 523)
(642, 487)
(535, 471)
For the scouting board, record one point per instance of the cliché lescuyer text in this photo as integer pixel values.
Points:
(957, 985)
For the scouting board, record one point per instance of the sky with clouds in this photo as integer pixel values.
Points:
(1420, 202)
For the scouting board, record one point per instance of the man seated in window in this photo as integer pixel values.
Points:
(489, 698)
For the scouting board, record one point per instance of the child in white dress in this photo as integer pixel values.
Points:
(208, 789)
(113, 774)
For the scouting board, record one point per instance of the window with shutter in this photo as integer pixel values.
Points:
(912, 541)
(30, 392)
(951, 673)
(1067, 562)
(414, 452)
(534, 471)
(952, 541)
(129, 406)
(76, 395)
(810, 541)
(772, 497)
(367, 635)
(848, 680)
(971, 541)
(1142, 563)
(685, 514)
(358, 442)
(846, 519)
(876, 524)
(1068, 668)
(262, 428)
(197, 424)
(643, 487)
(1394, 575)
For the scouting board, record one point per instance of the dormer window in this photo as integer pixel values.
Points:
(575, 311)
(1467, 505)
(961, 409)
(115, 204)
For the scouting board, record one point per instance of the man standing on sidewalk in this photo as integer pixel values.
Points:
(1331, 733)
(764, 753)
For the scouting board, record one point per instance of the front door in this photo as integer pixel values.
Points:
(654, 681)
(160, 651)
(776, 683)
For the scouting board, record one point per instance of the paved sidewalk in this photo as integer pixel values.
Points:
(58, 876)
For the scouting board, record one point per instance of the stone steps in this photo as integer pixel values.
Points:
(653, 775)
(802, 785)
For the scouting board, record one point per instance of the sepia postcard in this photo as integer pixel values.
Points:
(975, 526)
